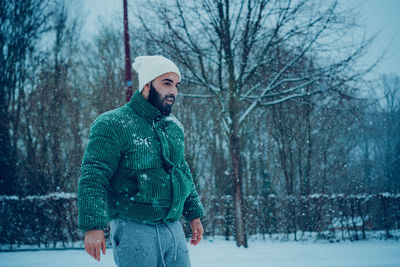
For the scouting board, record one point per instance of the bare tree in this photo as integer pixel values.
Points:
(391, 125)
(105, 70)
(21, 22)
(381, 126)
(248, 54)
(51, 110)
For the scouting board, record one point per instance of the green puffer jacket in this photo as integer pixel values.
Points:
(134, 168)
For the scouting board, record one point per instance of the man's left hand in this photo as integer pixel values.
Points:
(197, 230)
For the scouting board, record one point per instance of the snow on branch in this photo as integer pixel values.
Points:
(290, 90)
(274, 81)
(259, 84)
(195, 96)
(56, 195)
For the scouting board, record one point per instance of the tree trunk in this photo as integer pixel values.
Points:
(7, 163)
(234, 146)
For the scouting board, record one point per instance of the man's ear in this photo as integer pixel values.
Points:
(146, 86)
(146, 91)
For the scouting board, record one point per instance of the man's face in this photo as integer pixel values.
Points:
(163, 91)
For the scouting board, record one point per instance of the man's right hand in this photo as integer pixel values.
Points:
(94, 241)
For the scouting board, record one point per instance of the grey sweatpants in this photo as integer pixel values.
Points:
(143, 245)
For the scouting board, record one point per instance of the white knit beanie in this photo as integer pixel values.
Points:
(150, 67)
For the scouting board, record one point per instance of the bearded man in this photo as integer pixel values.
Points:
(135, 176)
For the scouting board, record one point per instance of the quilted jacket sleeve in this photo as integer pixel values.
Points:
(99, 163)
(192, 208)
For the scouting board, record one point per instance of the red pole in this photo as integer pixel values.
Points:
(128, 74)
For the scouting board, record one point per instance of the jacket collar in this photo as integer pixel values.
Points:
(142, 107)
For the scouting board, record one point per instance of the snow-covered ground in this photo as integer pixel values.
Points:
(220, 253)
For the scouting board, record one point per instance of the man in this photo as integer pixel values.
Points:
(134, 175)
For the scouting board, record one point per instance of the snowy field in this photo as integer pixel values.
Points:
(220, 253)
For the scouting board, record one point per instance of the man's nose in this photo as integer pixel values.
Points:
(173, 90)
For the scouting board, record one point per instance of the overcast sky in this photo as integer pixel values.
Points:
(375, 15)
(384, 16)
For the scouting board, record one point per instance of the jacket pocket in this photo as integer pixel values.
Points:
(185, 183)
(154, 187)
(142, 154)
(177, 150)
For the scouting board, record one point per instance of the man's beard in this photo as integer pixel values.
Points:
(158, 101)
